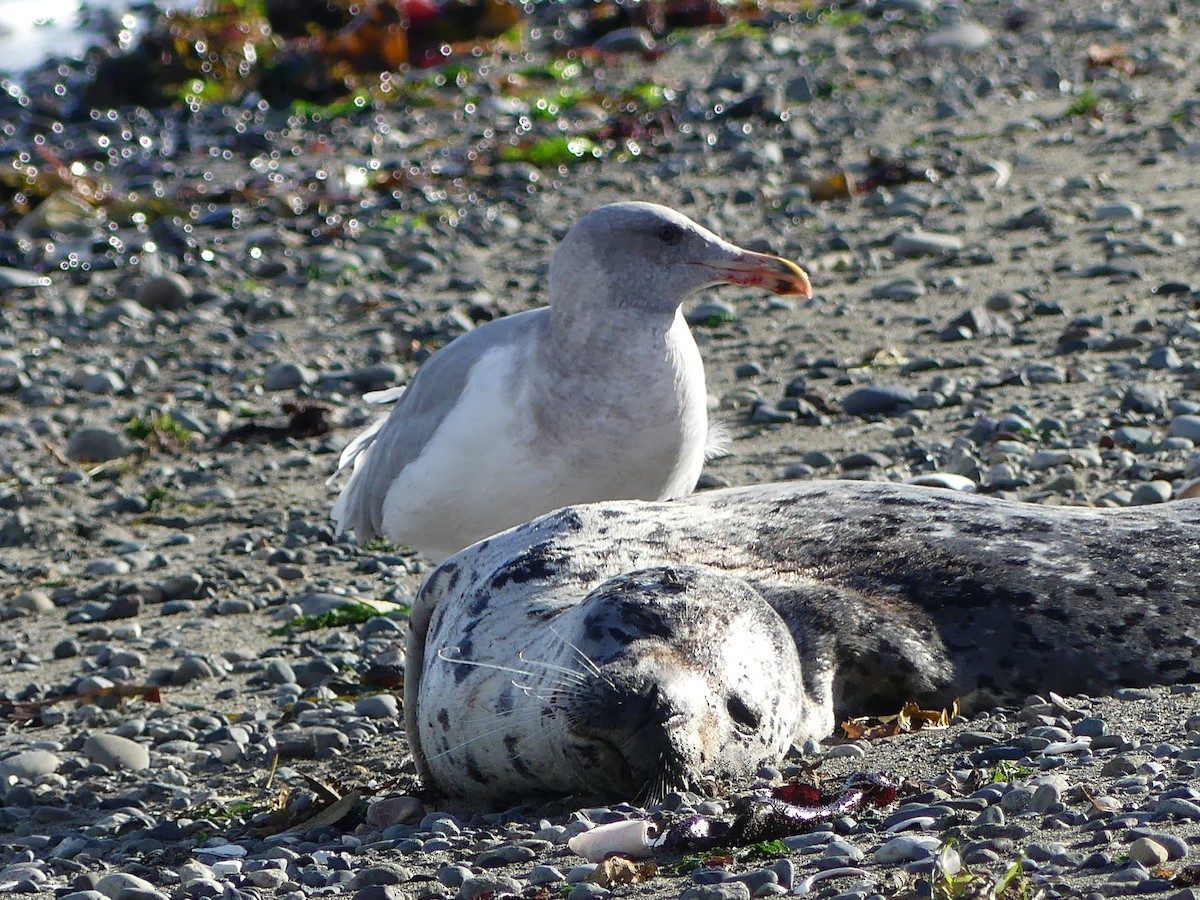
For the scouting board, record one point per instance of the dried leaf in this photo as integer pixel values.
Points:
(910, 718)
(837, 186)
(619, 870)
(1112, 57)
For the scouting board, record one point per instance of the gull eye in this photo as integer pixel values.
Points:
(670, 234)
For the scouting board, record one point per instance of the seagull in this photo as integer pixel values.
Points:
(598, 396)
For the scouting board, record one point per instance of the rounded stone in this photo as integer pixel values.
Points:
(29, 764)
(167, 291)
(97, 445)
(1148, 852)
(115, 752)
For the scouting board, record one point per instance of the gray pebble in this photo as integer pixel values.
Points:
(587, 891)
(286, 376)
(1151, 492)
(97, 445)
(115, 752)
(29, 764)
(726, 890)
(317, 742)
(167, 291)
(1148, 852)
(919, 242)
(1178, 807)
(33, 602)
(477, 886)
(381, 873)
(380, 706)
(504, 855)
(1187, 427)
(546, 875)
(192, 668)
(1164, 358)
(1125, 211)
(902, 289)
(907, 848)
(116, 884)
(877, 399)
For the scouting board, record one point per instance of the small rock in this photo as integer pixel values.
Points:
(286, 376)
(402, 810)
(1151, 492)
(907, 848)
(29, 765)
(877, 399)
(918, 242)
(167, 291)
(97, 445)
(115, 752)
(1148, 852)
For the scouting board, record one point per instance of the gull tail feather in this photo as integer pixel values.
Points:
(346, 512)
(717, 442)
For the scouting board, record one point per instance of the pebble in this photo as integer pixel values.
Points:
(1121, 211)
(167, 291)
(29, 765)
(97, 445)
(115, 752)
(1151, 492)
(918, 242)
(287, 376)
(877, 399)
(1148, 852)
(906, 848)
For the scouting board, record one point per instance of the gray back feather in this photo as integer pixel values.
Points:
(412, 422)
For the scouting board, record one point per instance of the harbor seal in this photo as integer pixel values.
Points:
(631, 648)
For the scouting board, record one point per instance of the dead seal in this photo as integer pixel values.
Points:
(630, 648)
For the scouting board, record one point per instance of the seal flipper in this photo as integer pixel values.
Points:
(859, 653)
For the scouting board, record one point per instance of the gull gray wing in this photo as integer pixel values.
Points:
(380, 453)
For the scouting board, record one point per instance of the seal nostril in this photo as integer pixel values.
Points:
(742, 714)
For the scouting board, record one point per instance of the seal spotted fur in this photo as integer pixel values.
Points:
(644, 646)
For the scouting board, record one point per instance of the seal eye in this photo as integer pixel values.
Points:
(741, 714)
(670, 234)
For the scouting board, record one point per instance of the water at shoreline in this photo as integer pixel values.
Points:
(33, 31)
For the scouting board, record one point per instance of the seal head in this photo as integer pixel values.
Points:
(654, 676)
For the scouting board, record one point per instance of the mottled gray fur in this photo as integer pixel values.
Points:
(891, 593)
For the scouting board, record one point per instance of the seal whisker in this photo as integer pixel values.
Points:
(574, 674)
(560, 690)
(442, 654)
(587, 661)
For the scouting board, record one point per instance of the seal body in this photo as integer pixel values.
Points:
(626, 648)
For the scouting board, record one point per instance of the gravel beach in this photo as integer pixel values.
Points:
(999, 206)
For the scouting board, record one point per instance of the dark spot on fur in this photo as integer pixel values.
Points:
(473, 771)
(479, 604)
(568, 520)
(466, 650)
(510, 744)
(504, 704)
(450, 573)
(534, 564)
(588, 753)
(443, 718)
